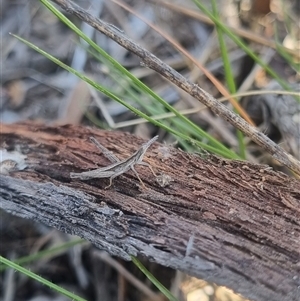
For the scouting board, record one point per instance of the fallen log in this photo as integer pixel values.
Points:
(230, 222)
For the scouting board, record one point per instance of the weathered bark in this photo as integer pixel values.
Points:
(230, 222)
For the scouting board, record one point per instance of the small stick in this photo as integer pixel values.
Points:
(119, 166)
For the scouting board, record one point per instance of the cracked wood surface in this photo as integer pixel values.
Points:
(230, 222)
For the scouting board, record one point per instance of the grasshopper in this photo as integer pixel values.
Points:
(119, 166)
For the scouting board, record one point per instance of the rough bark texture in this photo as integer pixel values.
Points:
(230, 222)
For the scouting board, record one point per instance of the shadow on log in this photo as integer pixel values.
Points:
(230, 222)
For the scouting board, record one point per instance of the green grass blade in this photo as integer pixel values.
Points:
(40, 279)
(226, 63)
(42, 254)
(242, 45)
(228, 74)
(162, 288)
